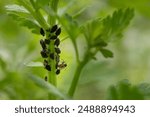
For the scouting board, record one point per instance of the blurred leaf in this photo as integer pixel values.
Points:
(63, 10)
(34, 64)
(101, 44)
(113, 93)
(145, 89)
(125, 91)
(106, 53)
(21, 15)
(71, 26)
(48, 87)
(16, 8)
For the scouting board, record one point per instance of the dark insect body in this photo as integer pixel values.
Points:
(54, 28)
(44, 54)
(53, 37)
(57, 71)
(57, 42)
(42, 32)
(47, 41)
(57, 50)
(42, 42)
(48, 67)
(58, 31)
(46, 79)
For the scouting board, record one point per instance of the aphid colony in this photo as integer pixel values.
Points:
(46, 53)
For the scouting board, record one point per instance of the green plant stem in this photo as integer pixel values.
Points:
(76, 77)
(76, 52)
(52, 75)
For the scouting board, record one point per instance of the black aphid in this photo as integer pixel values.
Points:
(53, 37)
(43, 44)
(58, 31)
(57, 71)
(47, 41)
(57, 50)
(53, 29)
(46, 79)
(52, 56)
(42, 32)
(45, 62)
(48, 67)
(44, 54)
(57, 42)
(56, 65)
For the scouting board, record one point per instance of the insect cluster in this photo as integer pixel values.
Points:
(47, 53)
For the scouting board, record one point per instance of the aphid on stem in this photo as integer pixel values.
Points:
(54, 28)
(42, 42)
(42, 32)
(58, 31)
(57, 42)
(44, 53)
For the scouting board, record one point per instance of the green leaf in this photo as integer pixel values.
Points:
(92, 30)
(106, 53)
(113, 93)
(145, 89)
(115, 24)
(21, 15)
(34, 64)
(125, 91)
(47, 87)
(71, 26)
(16, 8)
(100, 43)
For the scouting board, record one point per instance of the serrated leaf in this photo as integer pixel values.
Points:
(106, 53)
(92, 30)
(31, 25)
(26, 21)
(115, 24)
(47, 87)
(34, 64)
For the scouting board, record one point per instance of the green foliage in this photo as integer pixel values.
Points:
(48, 87)
(115, 24)
(21, 15)
(125, 91)
(106, 53)
(97, 32)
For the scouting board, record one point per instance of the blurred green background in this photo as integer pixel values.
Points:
(19, 46)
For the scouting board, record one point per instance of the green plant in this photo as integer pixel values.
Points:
(41, 16)
(124, 90)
